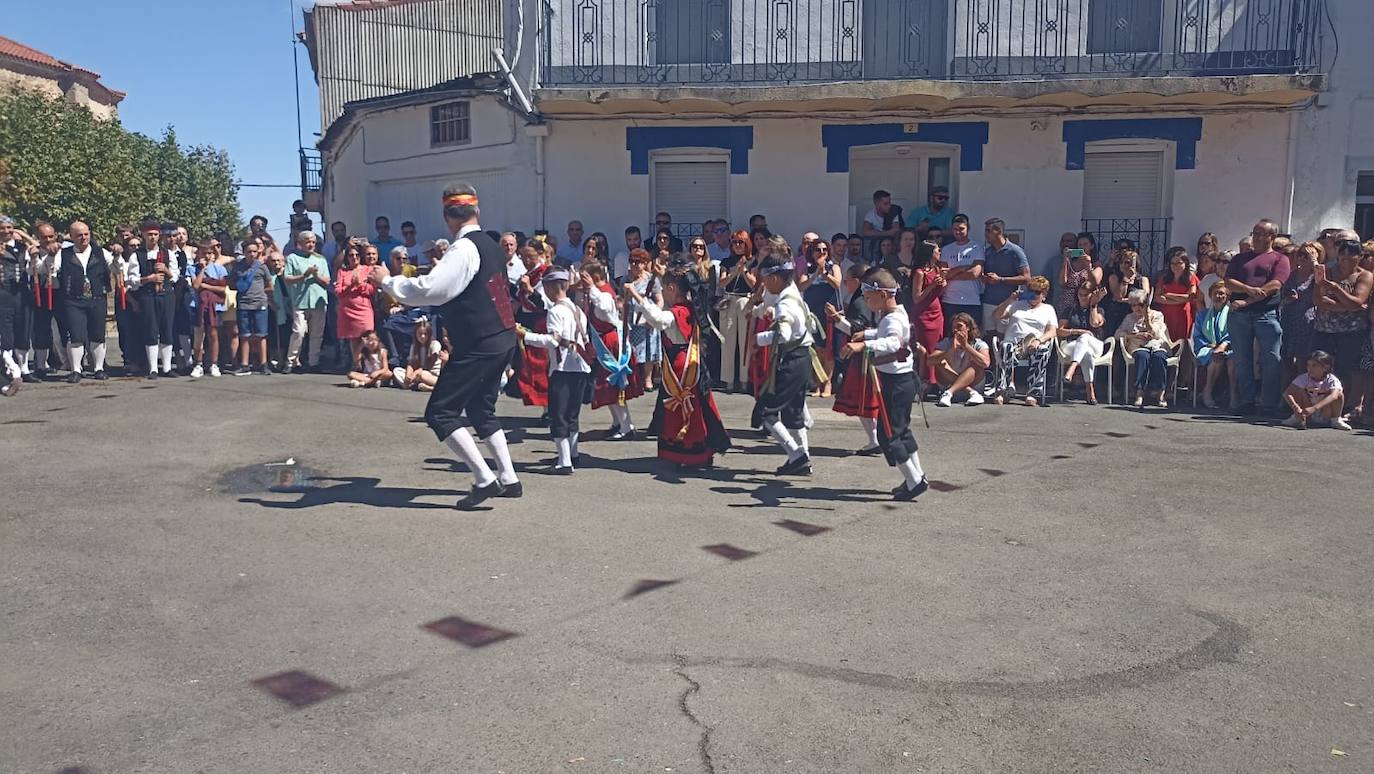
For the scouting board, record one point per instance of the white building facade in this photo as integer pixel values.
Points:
(1155, 121)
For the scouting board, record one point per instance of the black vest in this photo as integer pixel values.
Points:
(146, 261)
(12, 261)
(483, 309)
(73, 280)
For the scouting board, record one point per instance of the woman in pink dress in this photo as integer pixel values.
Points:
(355, 299)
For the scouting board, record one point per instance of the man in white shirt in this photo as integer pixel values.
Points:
(338, 239)
(884, 220)
(152, 273)
(570, 252)
(634, 240)
(470, 288)
(569, 373)
(782, 403)
(85, 277)
(415, 252)
(14, 257)
(964, 293)
(510, 247)
(718, 231)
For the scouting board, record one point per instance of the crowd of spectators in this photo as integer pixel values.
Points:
(1279, 327)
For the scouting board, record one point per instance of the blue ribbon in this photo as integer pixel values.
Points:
(617, 365)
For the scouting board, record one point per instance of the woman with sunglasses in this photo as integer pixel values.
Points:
(820, 288)
(708, 276)
(737, 281)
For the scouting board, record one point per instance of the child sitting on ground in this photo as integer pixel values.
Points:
(427, 357)
(1316, 397)
(372, 370)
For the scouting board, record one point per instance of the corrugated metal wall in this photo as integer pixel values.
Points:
(374, 52)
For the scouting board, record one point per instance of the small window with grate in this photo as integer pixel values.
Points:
(450, 124)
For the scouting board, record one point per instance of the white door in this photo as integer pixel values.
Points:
(691, 189)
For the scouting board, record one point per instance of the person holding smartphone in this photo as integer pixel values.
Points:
(1031, 325)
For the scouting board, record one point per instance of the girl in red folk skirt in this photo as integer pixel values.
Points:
(531, 312)
(615, 369)
(686, 422)
(858, 392)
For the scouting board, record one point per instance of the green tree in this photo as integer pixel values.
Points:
(60, 163)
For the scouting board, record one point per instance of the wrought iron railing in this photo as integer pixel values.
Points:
(729, 42)
(312, 171)
(1150, 235)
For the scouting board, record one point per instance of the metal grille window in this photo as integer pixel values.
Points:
(450, 124)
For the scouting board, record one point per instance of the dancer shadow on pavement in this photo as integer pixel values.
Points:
(355, 490)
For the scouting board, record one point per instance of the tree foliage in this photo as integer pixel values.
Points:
(60, 163)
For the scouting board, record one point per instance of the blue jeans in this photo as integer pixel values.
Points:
(1247, 328)
(1151, 369)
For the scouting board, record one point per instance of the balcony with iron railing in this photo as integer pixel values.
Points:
(742, 43)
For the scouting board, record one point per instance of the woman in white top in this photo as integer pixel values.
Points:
(1031, 325)
(1145, 338)
(569, 373)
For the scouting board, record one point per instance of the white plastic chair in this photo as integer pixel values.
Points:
(1105, 359)
(1175, 350)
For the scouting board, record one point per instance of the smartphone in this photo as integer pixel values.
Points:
(1076, 253)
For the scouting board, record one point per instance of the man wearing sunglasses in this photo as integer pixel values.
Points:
(937, 213)
(718, 248)
(663, 220)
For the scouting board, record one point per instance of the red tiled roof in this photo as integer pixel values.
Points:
(16, 50)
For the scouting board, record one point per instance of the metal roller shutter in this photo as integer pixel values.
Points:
(693, 192)
(1126, 184)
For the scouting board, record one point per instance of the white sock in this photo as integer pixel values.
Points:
(40, 359)
(572, 444)
(11, 367)
(807, 420)
(461, 443)
(76, 353)
(784, 438)
(564, 447)
(505, 469)
(21, 359)
(870, 430)
(909, 473)
(804, 441)
(164, 352)
(98, 356)
(151, 351)
(621, 415)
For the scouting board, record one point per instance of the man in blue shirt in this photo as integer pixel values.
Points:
(937, 212)
(1004, 269)
(385, 241)
(570, 252)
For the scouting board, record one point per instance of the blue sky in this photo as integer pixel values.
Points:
(219, 72)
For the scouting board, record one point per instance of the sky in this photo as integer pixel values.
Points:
(219, 72)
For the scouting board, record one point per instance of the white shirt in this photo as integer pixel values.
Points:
(789, 319)
(450, 277)
(567, 334)
(963, 292)
(892, 334)
(1025, 321)
(717, 253)
(663, 320)
(603, 306)
(133, 271)
(515, 268)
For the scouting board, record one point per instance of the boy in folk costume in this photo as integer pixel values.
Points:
(686, 422)
(858, 392)
(887, 349)
(616, 379)
(569, 373)
(782, 404)
(531, 310)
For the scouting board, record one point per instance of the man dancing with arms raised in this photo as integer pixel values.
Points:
(471, 290)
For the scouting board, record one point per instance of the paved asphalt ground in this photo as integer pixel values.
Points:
(1091, 589)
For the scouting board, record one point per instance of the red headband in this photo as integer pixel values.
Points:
(460, 200)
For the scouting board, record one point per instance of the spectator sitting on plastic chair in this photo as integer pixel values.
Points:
(1031, 326)
(1145, 338)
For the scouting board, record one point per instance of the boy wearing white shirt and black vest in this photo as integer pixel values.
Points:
(569, 372)
(470, 288)
(782, 403)
(153, 274)
(889, 350)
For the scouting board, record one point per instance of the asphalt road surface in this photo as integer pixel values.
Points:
(1086, 589)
